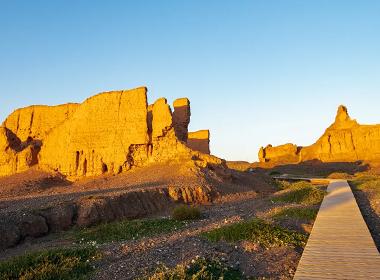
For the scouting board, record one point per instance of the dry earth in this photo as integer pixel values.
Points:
(237, 196)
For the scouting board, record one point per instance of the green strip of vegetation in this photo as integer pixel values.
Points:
(300, 192)
(126, 230)
(367, 183)
(48, 265)
(257, 231)
(297, 213)
(183, 213)
(200, 269)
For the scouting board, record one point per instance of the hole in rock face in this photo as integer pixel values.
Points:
(84, 167)
(76, 160)
(104, 168)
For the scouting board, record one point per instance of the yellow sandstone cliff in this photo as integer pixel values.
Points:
(344, 141)
(108, 133)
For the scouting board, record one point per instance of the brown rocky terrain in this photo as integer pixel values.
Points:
(344, 141)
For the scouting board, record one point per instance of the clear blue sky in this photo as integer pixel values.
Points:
(256, 72)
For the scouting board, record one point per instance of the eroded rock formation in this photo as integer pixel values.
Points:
(181, 118)
(108, 133)
(344, 141)
(36, 121)
(199, 141)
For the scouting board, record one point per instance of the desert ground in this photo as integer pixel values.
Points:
(255, 227)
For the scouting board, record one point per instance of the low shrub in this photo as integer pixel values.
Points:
(182, 213)
(199, 269)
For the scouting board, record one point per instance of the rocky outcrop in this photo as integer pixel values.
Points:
(108, 133)
(199, 141)
(36, 121)
(286, 153)
(98, 136)
(16, 156)
(344, 141)
(181, 118)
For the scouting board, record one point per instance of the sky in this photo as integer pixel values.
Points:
(256, 72)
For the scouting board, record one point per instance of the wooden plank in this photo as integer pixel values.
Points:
(340, 245)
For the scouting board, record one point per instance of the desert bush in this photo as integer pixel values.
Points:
(199, 269)
(300, 192)
(257, 231)
(54, 264)
(182, 213)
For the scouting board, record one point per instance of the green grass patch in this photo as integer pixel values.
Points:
(199, 269)
(300, 192)
(257, 231)
(184, 212)
(48, 265)
(126, 230)
(297, 213)
(368, 184)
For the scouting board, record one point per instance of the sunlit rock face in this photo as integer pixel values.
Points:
(36, 121)
(181, 118)
(344, 141)
(199, 141)
(108, 133)
(97, 137)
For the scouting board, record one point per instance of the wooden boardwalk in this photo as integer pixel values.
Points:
(340, 245)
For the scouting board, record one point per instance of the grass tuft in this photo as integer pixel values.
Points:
(182, 213)
(126, 230)
(48, 265)
(199, 269)
(257, 231)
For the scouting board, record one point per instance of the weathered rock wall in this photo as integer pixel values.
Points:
(181, 118)
(286, 153)
(199, 141)
(16, 156)
(36, 121)
(108, 133)
(97, 138)
(344, 141)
